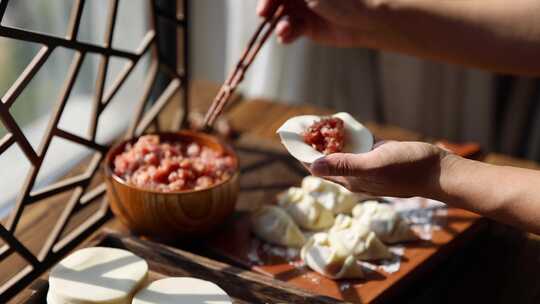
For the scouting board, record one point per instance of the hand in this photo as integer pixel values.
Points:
(342, 23)
(400, 169)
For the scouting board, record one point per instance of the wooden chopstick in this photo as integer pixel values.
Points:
(265, 29)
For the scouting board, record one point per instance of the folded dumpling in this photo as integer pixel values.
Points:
(341, 222)
(305, 210)
(332, 196)
(272, 224)
(384, 221)
(320, 256)
(349, 237)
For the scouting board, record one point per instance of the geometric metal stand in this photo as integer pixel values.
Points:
(146, 114)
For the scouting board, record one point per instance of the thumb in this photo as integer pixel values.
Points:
(338, 164)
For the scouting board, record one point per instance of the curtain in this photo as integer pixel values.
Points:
(435, 99)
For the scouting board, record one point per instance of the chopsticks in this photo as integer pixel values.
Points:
(265, 29)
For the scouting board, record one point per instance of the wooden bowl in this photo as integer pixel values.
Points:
(172, 215)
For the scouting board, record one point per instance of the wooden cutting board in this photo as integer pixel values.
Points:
(266, 170)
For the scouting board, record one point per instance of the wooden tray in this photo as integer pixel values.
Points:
(237, 244)
(241, 285)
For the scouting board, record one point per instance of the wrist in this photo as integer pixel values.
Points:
(449, 178)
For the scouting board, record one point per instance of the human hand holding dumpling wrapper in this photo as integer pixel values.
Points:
(389, 168)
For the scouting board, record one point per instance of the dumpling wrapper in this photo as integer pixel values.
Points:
(358, 139)
(96, 275)
(305, 210)
(318, 255)
(342, 222)
(274, 225)
(350, 238)
(181, 290)
(332, 196)
(384, 221)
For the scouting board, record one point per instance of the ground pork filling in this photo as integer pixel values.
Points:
(326, 135)
(171, 166)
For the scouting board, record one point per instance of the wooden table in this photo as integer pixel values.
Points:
(496, 266)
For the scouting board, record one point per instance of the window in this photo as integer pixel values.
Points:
(34, 106)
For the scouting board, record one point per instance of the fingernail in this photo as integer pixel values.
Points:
(281, 27)
(320, 167)
(260, 8)
(312, 3)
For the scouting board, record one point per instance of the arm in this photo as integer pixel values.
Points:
(405, 169)
(507, 194)
(498, 35)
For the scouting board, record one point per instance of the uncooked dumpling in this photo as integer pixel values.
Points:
(305, 210)
(358, 139)
(272, 224)
(384, 221)
(356, 239)
(342, 222)
(332, 196)
(324, 259)
(96, 275)
(181, 290)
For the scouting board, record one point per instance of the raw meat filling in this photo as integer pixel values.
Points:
(326, 135)
(171, 166)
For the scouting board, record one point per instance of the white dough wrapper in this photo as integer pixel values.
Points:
(332, 196)
(181, 290)
(96, 275)
(358, 139)
(324, 259)
(305, 210)
(273, 225)
(357, 240)
(384, 221)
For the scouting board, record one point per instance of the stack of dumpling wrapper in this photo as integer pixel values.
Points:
(342, 231)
